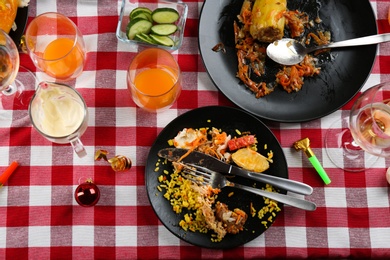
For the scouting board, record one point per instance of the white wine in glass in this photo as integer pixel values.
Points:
(16, 83)
(355, 143)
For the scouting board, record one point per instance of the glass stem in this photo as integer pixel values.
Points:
(9, 90)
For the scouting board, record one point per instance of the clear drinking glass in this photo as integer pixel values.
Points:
(59, 113)
(56, 46)
(16, 83)
(154, 79)
(367, 138)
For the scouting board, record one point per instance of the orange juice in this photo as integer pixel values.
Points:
(63, 59)
(157, 87)
(154, 79)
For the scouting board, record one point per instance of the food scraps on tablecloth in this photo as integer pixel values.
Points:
(198, 204)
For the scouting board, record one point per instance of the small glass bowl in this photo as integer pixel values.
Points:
(129, 5)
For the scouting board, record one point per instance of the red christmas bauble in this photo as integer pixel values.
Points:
(87, 194)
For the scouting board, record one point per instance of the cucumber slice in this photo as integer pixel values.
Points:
(137, 26)
(165, 15)
(162, 39)
(163, 29)
(144, 38)
(143, 15)
(137, 9)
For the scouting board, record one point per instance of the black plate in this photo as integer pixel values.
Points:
(21, 21)
(337, 83)
(227, 119)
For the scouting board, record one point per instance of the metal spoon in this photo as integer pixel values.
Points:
(289, 51)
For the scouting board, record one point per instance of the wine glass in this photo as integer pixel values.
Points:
(359, 146)
(16, 82)
(56, 46)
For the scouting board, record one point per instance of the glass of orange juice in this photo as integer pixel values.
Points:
(154, 79)
(56, 46)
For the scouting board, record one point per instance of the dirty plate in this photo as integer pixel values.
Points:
(228, 120)
(339, 80)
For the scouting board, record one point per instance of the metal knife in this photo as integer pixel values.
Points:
(212, 163)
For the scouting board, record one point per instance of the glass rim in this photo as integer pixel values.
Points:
(177, 70)
(379, 89)
(14, 51)
(75, 38)
(64, 136)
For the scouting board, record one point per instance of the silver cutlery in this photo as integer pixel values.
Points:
(206, 176)
(207, 161)
(289, 51)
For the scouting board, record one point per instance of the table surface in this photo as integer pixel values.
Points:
(40, 219)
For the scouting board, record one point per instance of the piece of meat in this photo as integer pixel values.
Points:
(212, 223)
(243, 141)
(233, 221)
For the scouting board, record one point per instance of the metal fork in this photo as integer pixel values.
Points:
(205, 176)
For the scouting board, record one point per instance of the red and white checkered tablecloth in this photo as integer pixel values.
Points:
(39, 218)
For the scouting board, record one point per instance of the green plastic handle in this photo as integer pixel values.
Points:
(317, 165)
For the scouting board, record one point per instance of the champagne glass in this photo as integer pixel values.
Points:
(359, 146)
(16, 82)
